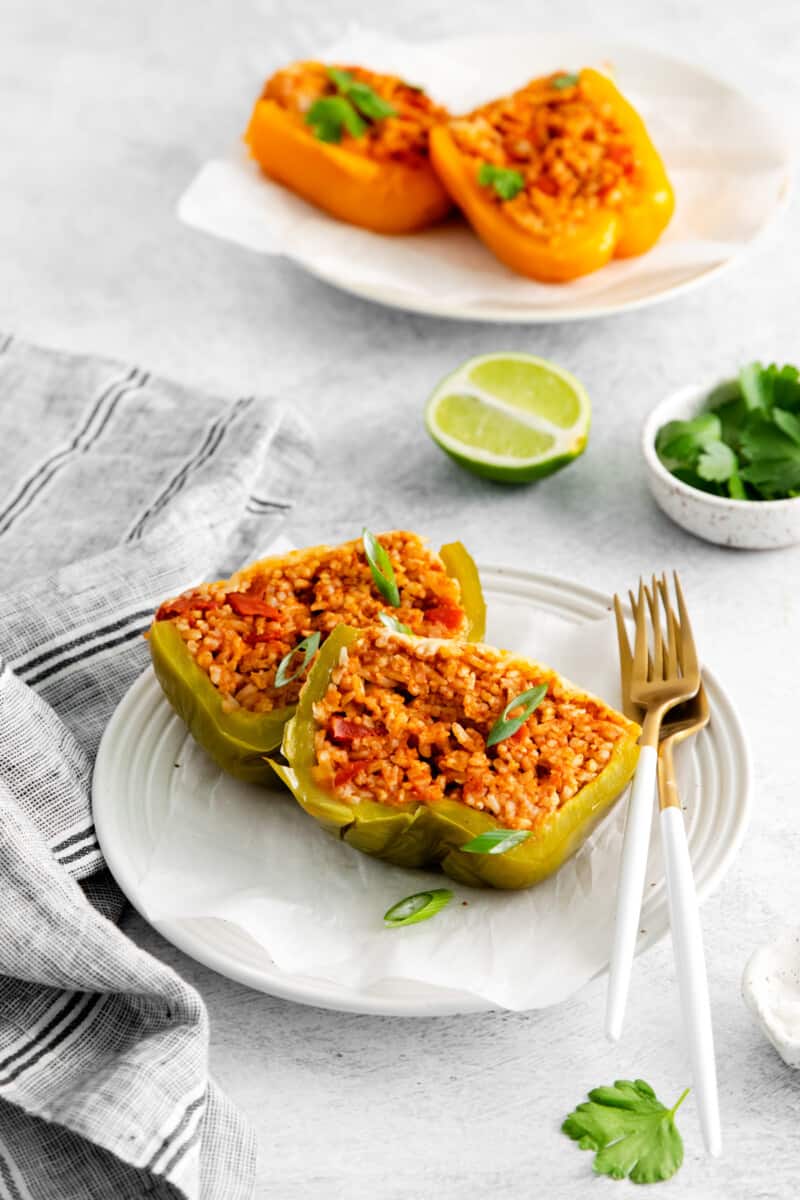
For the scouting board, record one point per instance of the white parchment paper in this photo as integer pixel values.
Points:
(251, 856)
(728, 165)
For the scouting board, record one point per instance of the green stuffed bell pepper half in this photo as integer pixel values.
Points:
(410, 748)
(232, 656)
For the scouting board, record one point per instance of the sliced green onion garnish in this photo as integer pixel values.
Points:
(496, 841)
(393, 623)
(505, 725)
(308, 648)
(564, 81)
(381, 567)
(419, 907)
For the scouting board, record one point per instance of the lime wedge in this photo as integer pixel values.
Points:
(510, 417)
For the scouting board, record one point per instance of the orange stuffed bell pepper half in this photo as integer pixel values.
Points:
(557, 178)
(352, 142)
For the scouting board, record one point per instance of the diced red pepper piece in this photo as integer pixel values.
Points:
(623, 155)
(245, 605)
(343, 730)
(259, 639)
(547, 185)
(448, 615)
(183, 604)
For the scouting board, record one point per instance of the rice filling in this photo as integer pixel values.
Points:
(239, 630)
(405, 721)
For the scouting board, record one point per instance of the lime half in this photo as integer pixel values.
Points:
(510, 417)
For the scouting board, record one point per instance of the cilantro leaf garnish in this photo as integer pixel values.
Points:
(360, 94)
(753, 386)
(560, 82)
(678, 442)
(746, 444)
(340, 78)
(788, 423)
(633, 1134)
(351, 109)
(330, 116)
(717, 462)
(506, 182)
(762, 387)
(369, 103)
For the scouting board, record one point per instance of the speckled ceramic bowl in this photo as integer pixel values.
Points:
(771, 990)
(744, 524)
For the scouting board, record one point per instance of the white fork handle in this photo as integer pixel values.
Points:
(687, 942)
(633, 867)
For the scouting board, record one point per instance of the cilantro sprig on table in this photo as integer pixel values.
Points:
(746, 444)
(633, 1134)
(351, 109)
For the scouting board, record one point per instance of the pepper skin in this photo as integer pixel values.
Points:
(587, 245)
(238, 741)
(384, 196)
(419, 835)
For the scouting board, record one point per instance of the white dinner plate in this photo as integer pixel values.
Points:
(143, 743)
(727, 160)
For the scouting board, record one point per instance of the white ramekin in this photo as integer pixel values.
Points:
(744, 524)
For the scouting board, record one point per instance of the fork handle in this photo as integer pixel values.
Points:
(687, 942)
(633, 867)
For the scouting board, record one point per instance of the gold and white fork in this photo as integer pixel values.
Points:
(673, 668)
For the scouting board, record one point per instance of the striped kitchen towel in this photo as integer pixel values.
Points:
(116, 490)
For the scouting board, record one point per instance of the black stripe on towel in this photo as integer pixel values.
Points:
(22, 668)
(171, 1138)
(211, 442)
(131, 636)
(81, 836)
(12, 1191)
(90, 1002)
(36, 482)
(58, 1016)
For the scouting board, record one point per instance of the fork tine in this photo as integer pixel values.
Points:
(625, 655)
(640, 646)
(673, 634)
(632, 600)
(686, 638)
(658, 644)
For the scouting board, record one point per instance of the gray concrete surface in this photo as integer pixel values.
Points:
(107, 109)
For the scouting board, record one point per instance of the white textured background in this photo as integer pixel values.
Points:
(107, 108)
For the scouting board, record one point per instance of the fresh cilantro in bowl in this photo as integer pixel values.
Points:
(745, 445)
